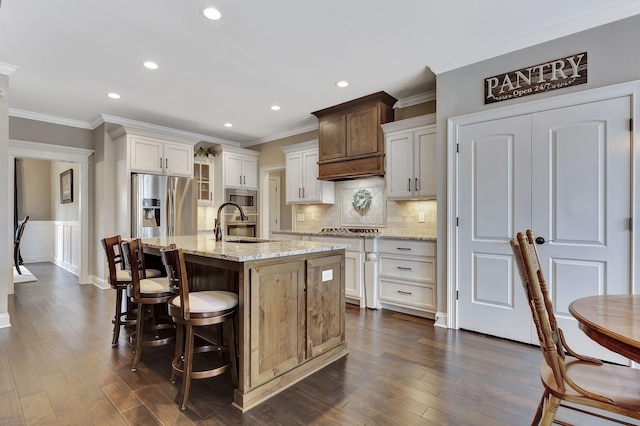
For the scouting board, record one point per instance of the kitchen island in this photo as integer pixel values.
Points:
(291, 305)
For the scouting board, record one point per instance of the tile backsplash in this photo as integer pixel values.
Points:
(400, 217)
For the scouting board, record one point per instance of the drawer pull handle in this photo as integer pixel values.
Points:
(403, 248)
(404, 268)
(404, 292)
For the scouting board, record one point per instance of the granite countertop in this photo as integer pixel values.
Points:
(383, 234)
(231, 249)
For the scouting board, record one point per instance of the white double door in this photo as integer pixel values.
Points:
(565, 174)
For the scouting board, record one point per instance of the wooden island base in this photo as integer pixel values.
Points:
(246, 401)
(291, 311)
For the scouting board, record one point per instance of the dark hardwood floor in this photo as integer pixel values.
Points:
(57, 366)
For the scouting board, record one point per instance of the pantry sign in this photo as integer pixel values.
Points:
(552, 75)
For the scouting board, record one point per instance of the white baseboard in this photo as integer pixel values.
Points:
(71, 268)
(409, 311)
(36, 259)
(5, 320)
(99, 282)
(441, 320)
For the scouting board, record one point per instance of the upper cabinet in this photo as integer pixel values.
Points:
(237, 167)
(303, 186)
(351, 140)
(150, 155)
(203, 173)
(411, 158)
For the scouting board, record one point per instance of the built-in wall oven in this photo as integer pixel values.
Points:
(241, 229)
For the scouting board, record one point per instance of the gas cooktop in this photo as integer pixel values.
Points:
(349, 231)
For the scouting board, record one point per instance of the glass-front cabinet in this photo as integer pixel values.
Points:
(203, 173)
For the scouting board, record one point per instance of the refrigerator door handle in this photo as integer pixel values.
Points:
(170, 208)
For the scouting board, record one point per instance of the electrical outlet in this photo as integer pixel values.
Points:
(300, 217)
(421, 217)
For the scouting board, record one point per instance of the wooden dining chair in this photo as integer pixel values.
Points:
(566, 375)
(17, 257)
(119, 279)
(147, 294)
(191, 310)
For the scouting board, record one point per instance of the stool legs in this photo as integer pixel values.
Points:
(117, 319)
(182, 363)
(137, 347)
(187, 366)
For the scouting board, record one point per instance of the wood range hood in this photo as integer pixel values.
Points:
(351, 141)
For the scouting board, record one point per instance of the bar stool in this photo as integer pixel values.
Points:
(119, 279)
(146, 293)
(191, 310)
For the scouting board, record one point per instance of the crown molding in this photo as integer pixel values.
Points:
(49, 119)
(8, 69)
(569, 27)
(416, 99)
(156, 130)
(293, 132)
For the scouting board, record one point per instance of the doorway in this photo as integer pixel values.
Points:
(41, 151)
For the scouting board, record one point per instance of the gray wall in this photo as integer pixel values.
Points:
(33, 179)
(23, 129)
(613, 58)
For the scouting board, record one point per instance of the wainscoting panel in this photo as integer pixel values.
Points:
(67, 245)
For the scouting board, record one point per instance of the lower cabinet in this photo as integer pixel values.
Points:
(297, 313)
(325, 304)
(407, 275)
(354, 267)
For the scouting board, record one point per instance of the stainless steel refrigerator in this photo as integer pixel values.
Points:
(163, 206)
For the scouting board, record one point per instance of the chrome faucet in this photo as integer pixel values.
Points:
(218, 229)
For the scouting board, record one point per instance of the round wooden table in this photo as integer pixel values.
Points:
(613, 321)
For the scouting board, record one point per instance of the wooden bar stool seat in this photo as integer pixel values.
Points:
(146, 293)
(190, 311)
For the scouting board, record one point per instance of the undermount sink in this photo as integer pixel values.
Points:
(245, 240)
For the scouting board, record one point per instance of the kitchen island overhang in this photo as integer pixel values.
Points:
(291, 312)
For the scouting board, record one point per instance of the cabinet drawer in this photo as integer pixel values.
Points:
(401, 268)
(407, 247)
(406, 294)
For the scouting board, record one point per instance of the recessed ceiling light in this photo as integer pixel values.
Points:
(342, 83)
(113, 95)
(211, 13)
(228, 125)
(275, 108)
(151, 65)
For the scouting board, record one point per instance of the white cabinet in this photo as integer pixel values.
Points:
(353, 267)
(407, 275)
(149, 155)
(410, 147)
(303, 186)
(238, 168)
(203, 173)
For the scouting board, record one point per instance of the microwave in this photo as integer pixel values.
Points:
(247, 199)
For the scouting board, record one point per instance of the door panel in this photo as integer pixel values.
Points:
(494, 201)
(565, 174)
(582, 202)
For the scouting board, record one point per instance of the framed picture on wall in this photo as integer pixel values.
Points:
(66, 187)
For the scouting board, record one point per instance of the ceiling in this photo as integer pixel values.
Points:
(65, 56)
